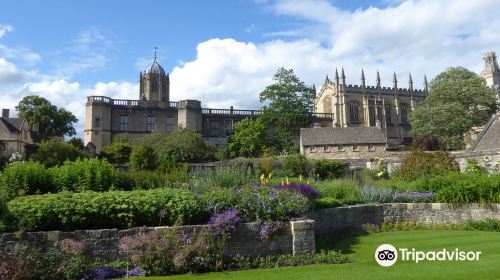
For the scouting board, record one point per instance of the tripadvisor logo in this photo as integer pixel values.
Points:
(387, 255)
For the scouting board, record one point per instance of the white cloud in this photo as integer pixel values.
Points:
(10, 74)
(4, 29)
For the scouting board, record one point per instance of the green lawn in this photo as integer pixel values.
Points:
(361, 250)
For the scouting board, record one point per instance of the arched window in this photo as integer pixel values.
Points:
(404, 114)
(354, 112)
(372, 115)
(327, 105)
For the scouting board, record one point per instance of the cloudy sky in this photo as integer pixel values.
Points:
(224, 52)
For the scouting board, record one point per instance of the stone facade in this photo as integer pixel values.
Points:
(107, 118)
(16, 136)
(369, 106)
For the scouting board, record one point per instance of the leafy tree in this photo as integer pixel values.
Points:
(426, 142)
(77, 142)
(54, 153)
(143, 157)
(426, 164)
(247, 138)
(51, 121)
(182, 146)
(459, 99)
(290, 105)
(117, 152)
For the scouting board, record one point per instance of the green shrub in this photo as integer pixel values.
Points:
(85, 175)
(24, 178)
(182, 146)
(419, 163)
(117, 152)
(329, 169)
(344, 190)
(55, 153)
(201, 180)
(114, 209)
(258, 203)
(327, 202)
(295, 165)
(483, 225)
(145, 179)
(471, 188)
(143, 157)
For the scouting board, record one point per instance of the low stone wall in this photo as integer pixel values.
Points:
(333, 220)
(298, 237)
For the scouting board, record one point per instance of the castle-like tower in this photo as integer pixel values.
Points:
(491, 72)
(366, 106)
(154, 85)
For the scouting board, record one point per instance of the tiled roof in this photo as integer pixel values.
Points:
(13, 124)
(341, 135)
(489, 138)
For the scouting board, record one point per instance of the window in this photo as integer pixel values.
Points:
(151, 123)
(170, 124)
(214, 129)
(379, 114)
(372, 115)
(388, 114)
(354, 147)
(354, 112)
(312, 149)
(326, 149)
(404, 115)
(123, 122)
(97, 122)
(229, 127)
(340, 147)
(370, 147)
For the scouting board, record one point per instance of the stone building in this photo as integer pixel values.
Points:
(107, 118)
(491, 72)
(370, 106)
(16, 136)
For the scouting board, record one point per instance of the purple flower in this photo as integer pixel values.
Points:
(104, 273)
(225, 223)
(304, 189)
(269, 229)
(413, 196)
(136, 272)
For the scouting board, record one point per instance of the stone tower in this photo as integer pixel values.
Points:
(154, 84)
(491, 72)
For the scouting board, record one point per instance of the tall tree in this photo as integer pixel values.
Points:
(51, 120)
(289, 109)
(247, 139)
(459, 99)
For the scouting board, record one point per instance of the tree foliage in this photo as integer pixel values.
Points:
(117, 152)
(143, 157)
(247, 138)
(290, 105)
(54, 153)
(51, 121)
(459, 99)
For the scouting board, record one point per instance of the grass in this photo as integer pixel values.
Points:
(361, 250)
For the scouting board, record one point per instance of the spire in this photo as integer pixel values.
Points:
(426, 85)
(154, 56)
(395, 81)
(410, 84)
(363, 80)
(343, 76)
(327, 80)
(336, 76)
(378, 79)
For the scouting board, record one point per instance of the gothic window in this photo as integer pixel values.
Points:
(379, 114)
(170, 124)
(151, 123)
(388, 114)
(404, 114)
(354, 112)
(97, 122)
(372, 115)
(124, 122)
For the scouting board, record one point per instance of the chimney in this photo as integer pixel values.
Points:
(5, 113)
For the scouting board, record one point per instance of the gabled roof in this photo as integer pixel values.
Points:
(13, 124)
(489, 138)
(341, 135)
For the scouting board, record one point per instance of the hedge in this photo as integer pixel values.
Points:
(114, 209)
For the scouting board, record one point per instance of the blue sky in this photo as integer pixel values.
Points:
(225, 52)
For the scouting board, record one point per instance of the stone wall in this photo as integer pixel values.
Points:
(297, 237)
